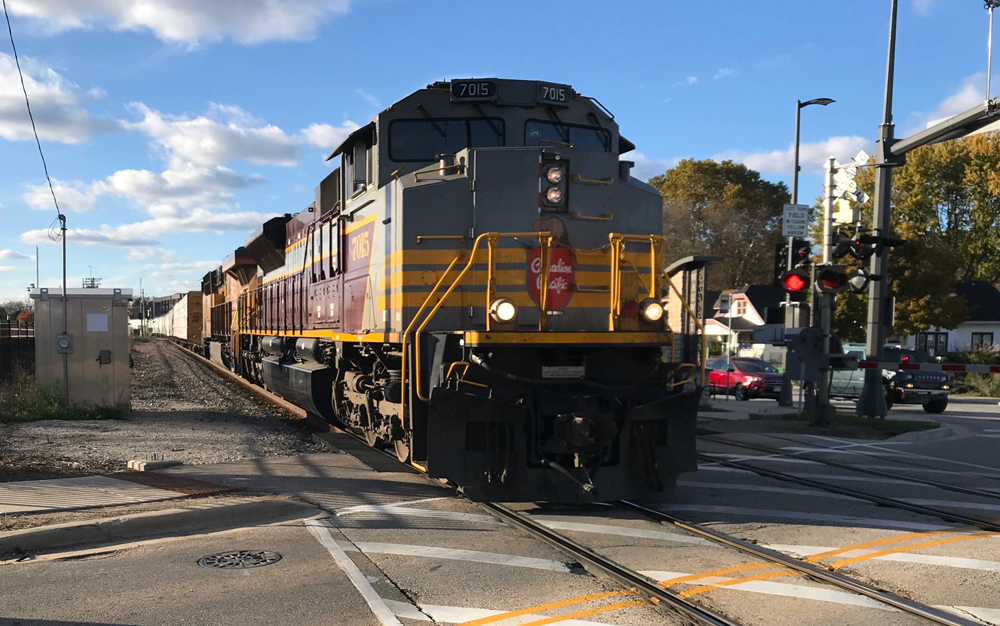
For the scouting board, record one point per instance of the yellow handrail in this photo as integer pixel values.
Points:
(543, 236)
(406, 333)
(604, 217)
(420, 238)
(602, 181)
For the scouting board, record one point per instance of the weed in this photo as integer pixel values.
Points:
(889, 427)
(22, 401)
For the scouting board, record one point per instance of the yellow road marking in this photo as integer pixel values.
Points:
(868, 544)
(670, 582)
(926, 544)
(547, 606)
(734, 581)
(603, 609)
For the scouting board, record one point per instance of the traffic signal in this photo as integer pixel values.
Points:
(844, 244)
(796, 283)
(831, 279)
(801, 249)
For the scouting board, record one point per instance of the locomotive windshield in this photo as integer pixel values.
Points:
(583, 137)
(423, 140)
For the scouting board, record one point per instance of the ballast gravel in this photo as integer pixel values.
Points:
(182, 409)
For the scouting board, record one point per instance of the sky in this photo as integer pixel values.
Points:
(172, 129)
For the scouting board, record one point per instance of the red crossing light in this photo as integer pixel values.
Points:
(794, 282)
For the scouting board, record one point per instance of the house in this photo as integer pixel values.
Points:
(981, 329)
(750, 307)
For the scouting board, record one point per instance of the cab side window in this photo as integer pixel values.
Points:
(359, 166)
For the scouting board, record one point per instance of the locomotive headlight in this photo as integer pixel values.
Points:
(652, 311)
(555, 174)
(554, 195)
(503, 310)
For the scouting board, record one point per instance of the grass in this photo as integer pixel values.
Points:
(22, 401)
(981, 385)
(889, 427)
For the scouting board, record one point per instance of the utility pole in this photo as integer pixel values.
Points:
(872, 400)
(38, 283)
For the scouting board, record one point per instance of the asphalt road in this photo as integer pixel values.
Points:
(393, 549)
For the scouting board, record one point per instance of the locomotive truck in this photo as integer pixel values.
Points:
(477, 286)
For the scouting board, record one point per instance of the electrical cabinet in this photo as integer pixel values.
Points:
(93, 353)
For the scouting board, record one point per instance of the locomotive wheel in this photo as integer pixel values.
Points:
(371, 438)
(402, 450)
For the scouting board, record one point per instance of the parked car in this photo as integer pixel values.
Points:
(929, 389)
(745, 378)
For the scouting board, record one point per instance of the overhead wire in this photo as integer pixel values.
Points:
(34, 129)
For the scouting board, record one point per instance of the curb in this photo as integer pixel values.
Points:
(187, 520)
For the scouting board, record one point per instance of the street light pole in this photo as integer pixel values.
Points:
(790, 322)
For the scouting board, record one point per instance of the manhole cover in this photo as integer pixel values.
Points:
(240, 559)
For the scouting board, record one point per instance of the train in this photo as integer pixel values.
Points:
(476, 286)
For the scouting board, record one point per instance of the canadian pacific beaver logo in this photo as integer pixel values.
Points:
(561, 277)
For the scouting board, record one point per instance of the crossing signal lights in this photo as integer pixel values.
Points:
(800, 251)
(796, 283)
(831, 279)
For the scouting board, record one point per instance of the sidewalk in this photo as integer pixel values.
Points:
(721, 408)
(67, 494)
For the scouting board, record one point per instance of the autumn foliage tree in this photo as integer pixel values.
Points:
(946, 204)
(722, 209)
(26, 317)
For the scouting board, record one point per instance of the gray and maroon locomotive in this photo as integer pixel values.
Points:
(477, 285)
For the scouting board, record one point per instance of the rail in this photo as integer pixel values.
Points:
(618, 243)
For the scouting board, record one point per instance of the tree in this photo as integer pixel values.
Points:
(722, 209)
(946, 204)
(26, 317)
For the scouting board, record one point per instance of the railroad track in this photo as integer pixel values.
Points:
(941, 514)
(649, 590)
(861, 470)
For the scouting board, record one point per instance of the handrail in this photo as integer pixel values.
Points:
(604, 217)
(439, 169)
(698, 323)
(420, 238)
(576, 178)
(406, 333)
(618, 242)
(542, 235)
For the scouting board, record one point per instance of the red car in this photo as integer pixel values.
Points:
(745, 378)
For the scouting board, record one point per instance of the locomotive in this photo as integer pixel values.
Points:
(477, 286)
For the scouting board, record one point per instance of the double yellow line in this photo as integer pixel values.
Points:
(692, 578)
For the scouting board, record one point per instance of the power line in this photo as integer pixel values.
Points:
(31, 117)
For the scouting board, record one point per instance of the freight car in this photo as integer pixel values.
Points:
(183, 321)
(476, 285)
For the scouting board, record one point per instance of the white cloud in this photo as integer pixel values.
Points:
(171, 193)
(189, 21)
(370, 99)
(812, 156)
(145, 233)
(645, 167)
(7, 268)
(690, 80)
(923, 7)
(189, 266)
(226, 133)
(725, 72)
(969, 93)
(54, 105)
(73, 196)
(328, 137)
(10, 255)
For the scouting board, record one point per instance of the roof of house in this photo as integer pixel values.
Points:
(982, 298)
(764, 297)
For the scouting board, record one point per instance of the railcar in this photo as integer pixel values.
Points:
(183, 319)
(476, 285)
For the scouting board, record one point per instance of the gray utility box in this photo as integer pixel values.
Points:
(96, 344)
